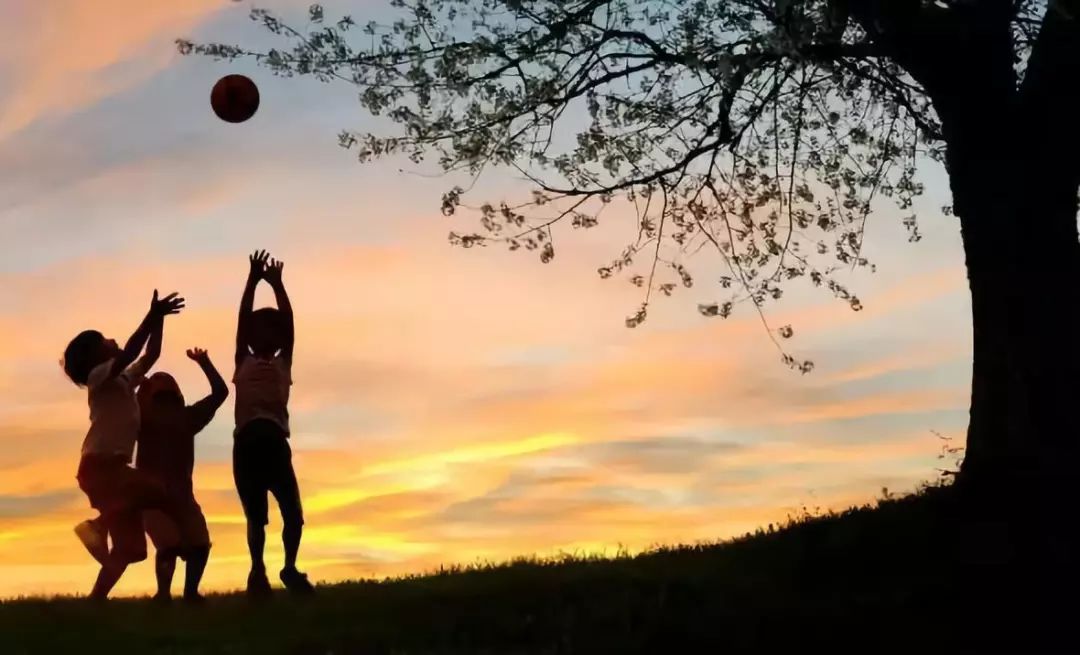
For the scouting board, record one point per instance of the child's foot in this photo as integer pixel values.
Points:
(194, 599)
(162, 598)
(258, 585)
(94, 538)
(296, 582)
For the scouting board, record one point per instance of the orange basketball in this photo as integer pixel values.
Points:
(235, 98)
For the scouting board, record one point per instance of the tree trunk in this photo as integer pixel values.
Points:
(1013, 156)
(1026, 337)
(1019, 225)
(1023, 263)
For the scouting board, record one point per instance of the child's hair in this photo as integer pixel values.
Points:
(269, 317)
(157, 383)
(80, 356)
(266, 328)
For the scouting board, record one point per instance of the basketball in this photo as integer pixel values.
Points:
(235, 98)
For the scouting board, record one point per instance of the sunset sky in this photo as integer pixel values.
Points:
(449, 406)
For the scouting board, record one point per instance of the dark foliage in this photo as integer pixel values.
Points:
(761, 131)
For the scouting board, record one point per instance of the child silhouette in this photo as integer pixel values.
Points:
(167, 452)
(262, 458)
(119, 492)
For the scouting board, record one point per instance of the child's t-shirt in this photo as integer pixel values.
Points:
(262, 390)
(114, 412)
(167, 446)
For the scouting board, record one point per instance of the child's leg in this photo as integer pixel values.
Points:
(164, 533)
(290, 539)
(96, 480)
(256, 539)
(193, 573)
(250, 476)
(197, 537)
(164, 568)
(129, 546)
(287, 493)
(107, 578)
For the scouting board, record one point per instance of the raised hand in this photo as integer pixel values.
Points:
(198, 355)
(272, 273)
(170, 304)
(258, 260)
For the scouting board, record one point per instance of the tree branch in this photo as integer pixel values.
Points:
(1050, 99)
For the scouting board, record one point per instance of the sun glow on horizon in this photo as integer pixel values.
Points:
(448, 407)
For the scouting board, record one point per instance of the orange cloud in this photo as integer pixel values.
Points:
(431, 432)
(67, 51)
(448, 405)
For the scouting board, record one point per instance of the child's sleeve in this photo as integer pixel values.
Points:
(201, 413)
(99, 374)
(138, 369)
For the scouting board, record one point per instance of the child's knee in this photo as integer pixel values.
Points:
(166, 554)
(122, 557)
(197, 552)
(292, 519)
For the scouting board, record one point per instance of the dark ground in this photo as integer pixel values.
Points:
(908, 575)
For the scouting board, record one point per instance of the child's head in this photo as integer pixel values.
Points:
(159, 393)
(86, 351)
(267, 334)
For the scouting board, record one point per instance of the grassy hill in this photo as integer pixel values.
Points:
(898, 576)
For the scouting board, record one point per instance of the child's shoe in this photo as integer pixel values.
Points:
(296, 582)
(258, 585)
(94, 538)
(194, 599)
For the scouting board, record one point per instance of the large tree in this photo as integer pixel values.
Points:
(763, 132)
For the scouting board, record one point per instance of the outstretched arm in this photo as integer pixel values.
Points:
(203, 411)
(150, 330)
(247, 301)
(219, 391)
(273, 277)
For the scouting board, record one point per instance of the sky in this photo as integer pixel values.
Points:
(449, 406)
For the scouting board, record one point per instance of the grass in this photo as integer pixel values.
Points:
(883, 578)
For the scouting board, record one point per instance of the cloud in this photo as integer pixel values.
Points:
(26, 506)
(666, 455)
(451, 406)
(448, 405)
(68, 54)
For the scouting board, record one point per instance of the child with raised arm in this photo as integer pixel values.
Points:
(262, 459)
(167, 452)
(119, 492)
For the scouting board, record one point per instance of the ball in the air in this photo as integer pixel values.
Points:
(235, 98)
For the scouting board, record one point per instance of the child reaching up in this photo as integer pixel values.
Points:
(262, 459)
(167, 452)
(119, 492)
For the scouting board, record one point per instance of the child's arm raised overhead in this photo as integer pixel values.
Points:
(273, 277)
(203, 411)
(149, 330)
(247, 301)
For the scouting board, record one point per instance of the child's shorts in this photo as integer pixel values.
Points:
(186, 533)
(262, 463)
(120, 492)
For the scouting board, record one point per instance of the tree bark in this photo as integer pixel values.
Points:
(1023, 264)
(1013, 157)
